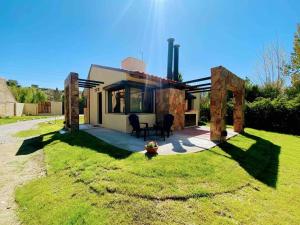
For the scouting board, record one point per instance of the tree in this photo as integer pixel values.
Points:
(252, 91)
(180, 78)
(39, 96)
(271, 68)
(15, 90)
(56, 95)
(293, 69)
(12, 83)
(28, 94)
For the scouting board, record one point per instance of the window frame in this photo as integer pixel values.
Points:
(127, 102)
(109, 100)
(143, 90)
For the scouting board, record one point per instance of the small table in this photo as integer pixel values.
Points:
(157, 128)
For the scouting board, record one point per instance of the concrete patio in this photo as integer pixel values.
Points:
(189, 140)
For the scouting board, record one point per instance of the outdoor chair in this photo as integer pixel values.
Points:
(136, 126)
(167, 125)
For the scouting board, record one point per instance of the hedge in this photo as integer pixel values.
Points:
(280, 114)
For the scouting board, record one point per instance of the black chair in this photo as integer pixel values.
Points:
(167, 125)
(136, 126)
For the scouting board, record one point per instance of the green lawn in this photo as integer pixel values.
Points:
(252, 179)
(45, 128)
(14, 119)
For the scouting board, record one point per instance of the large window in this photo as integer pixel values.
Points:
(116, 101)
(141, 100)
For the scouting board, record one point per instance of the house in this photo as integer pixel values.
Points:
(130, 90)
(111, 94)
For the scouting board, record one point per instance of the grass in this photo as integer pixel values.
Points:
(14, 119)
(44, 128)
(252, 179)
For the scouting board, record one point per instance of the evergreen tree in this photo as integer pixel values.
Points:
(293, 68)
(56, 95)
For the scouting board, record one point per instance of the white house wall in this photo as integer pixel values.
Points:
(116, 121)
(108, 77)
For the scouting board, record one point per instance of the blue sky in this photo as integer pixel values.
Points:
(42, 41)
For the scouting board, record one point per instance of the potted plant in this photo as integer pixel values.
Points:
(151, 147)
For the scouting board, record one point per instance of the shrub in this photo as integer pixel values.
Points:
(204, 113)
(279, 114)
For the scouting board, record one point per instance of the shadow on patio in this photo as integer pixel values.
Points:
(189, 140)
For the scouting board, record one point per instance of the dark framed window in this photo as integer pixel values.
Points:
(131, 100)
(141, 100)
(116, 101)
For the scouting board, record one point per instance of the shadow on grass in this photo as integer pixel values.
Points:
(80, 139)
(34, 144)
(261, 160)
(150, 155)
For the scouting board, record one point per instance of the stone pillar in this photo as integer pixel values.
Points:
(170, 100)
(218, 98)
(238, 110)
(72, 102)
(221, 81)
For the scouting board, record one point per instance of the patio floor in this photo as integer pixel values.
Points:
(189, 140)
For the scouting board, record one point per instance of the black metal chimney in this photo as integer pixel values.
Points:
(170, 58)
(176, 62)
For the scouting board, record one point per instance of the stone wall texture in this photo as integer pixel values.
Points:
(72, 102)
(171, 101)
(223, 80)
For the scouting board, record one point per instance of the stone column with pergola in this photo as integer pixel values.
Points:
(223, 80)
(71, 102)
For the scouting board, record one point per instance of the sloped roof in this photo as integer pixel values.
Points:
(138, 74)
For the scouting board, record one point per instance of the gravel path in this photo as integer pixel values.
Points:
(15, 169)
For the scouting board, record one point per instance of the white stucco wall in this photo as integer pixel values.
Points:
(19, 107)
(56, 108)
(30, 109)
(116, 121)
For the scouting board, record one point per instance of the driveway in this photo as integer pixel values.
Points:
(16, 169)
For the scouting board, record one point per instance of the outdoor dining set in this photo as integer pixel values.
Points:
(159, 129)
